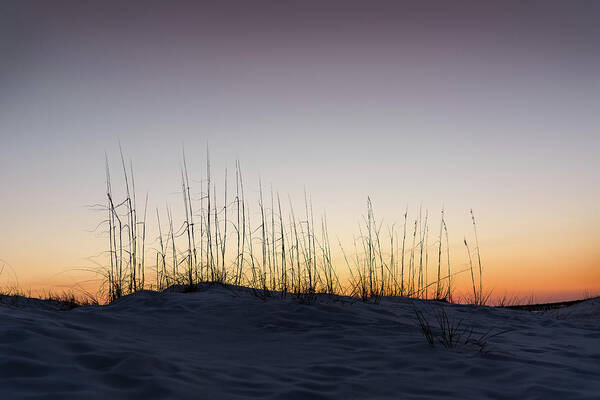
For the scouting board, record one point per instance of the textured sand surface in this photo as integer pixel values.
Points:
(225, 343)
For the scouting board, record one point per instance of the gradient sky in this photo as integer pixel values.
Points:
(493, 106)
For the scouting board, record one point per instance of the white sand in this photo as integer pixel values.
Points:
(222, 343)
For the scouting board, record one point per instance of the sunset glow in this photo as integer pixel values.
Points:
(429, 105)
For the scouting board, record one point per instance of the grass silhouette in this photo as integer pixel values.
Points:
(283, 252)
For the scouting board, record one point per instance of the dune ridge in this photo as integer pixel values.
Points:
(224, 342)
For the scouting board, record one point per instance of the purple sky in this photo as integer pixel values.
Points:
(490, 105)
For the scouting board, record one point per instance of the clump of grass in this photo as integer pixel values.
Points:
(127, 270)
(438, 328)
(56, 301)
(68, 300)
(282, 254)
(443, 330)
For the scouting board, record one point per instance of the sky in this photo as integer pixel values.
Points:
(493, 106)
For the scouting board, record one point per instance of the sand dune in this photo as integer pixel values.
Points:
(225, 343)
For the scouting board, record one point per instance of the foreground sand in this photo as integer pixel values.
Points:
(225, 343)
